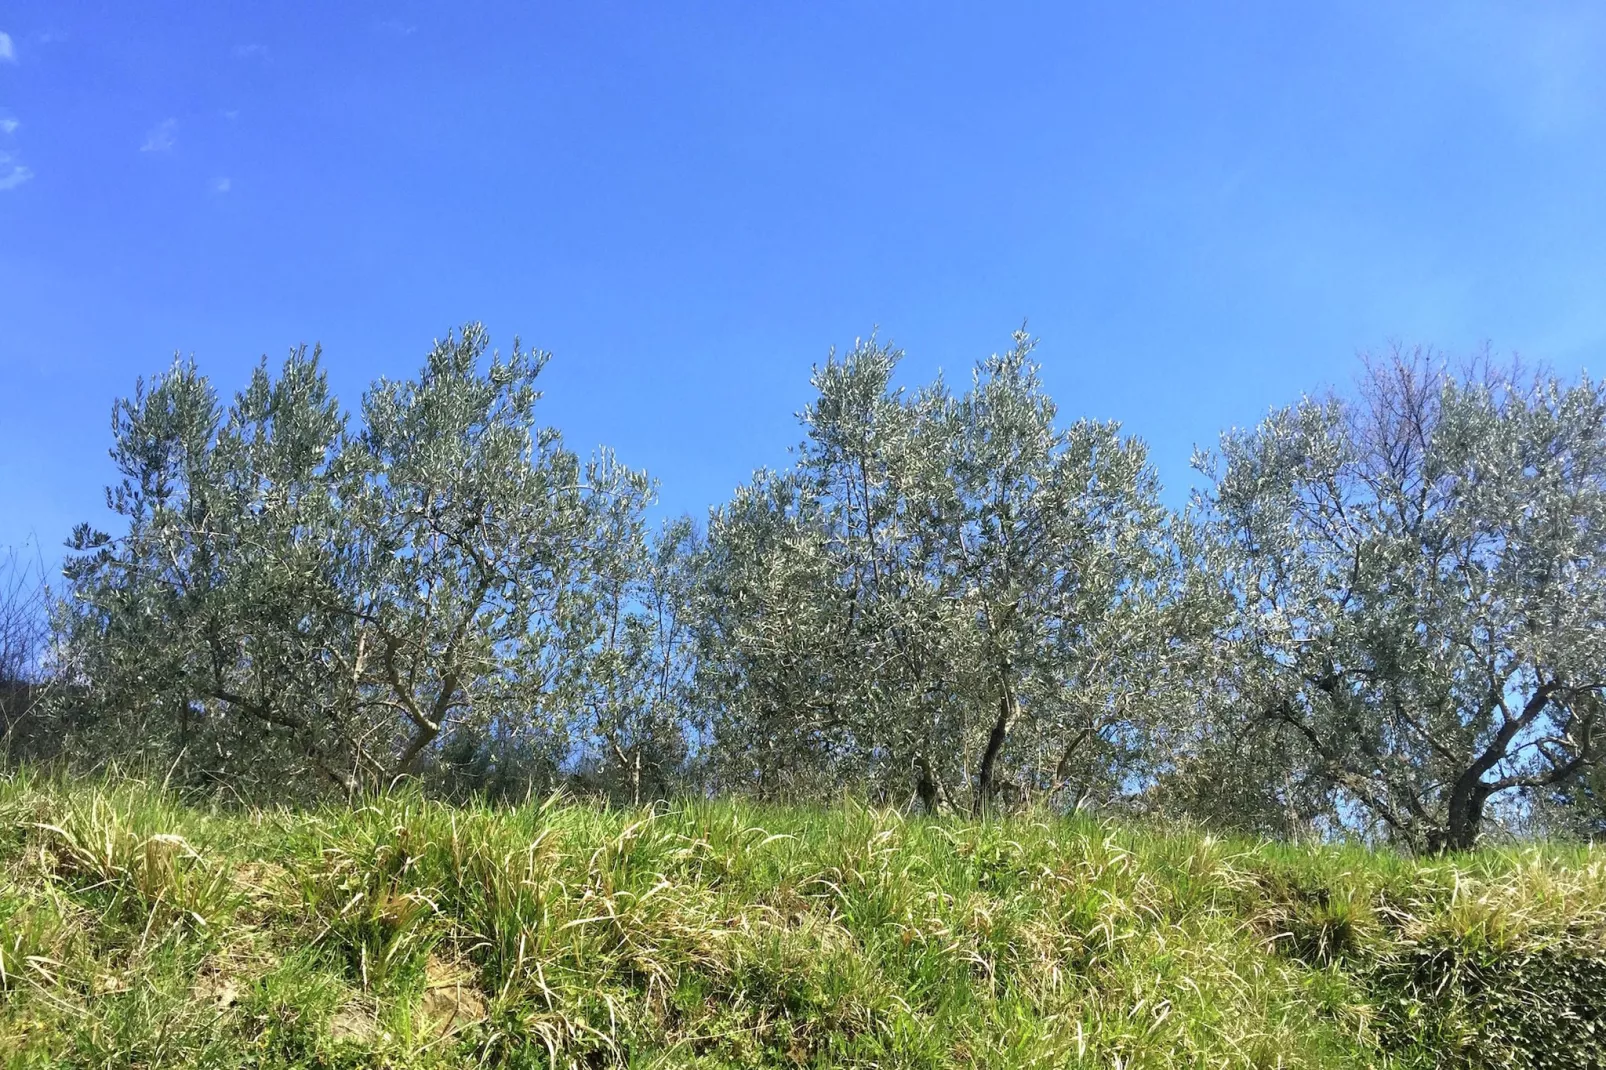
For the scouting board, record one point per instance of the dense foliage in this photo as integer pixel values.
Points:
(1383, 614)
(291, 602)
(948, 597)
(1417, 582)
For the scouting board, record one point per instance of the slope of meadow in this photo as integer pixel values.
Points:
(140, 930)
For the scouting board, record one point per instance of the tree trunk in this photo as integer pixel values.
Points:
(985, 773)
(926, 784)
(1464, 822)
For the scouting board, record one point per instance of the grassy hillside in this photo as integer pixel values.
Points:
(137, 930)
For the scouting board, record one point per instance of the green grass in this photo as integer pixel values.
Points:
(138, 930)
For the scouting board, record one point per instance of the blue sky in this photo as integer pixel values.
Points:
(1202, 210)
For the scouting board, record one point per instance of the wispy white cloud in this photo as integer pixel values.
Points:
(7, 53)
(221, 185)
(230, 113)
(12, 174)
(252, 51)
(160, 139)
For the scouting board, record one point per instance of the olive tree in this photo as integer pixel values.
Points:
(1057, 541)
(945, 595)
(1419, 598)
(824, 650)
(288, 594)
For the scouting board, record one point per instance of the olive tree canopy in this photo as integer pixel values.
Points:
(950, 598)
(291, 596)
(1419, 578)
